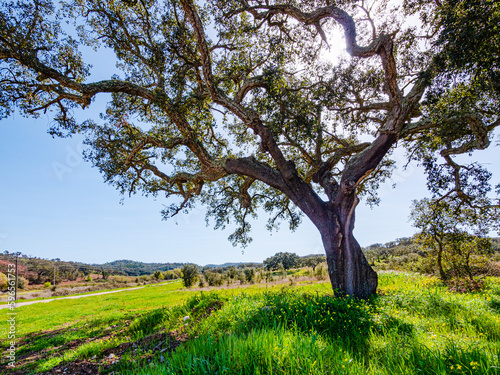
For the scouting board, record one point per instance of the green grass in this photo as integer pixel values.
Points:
(84, 293)
(413, 326)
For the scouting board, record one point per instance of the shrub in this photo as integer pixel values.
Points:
(22, 283)
(47, 284)
(320, 272)
(250, 275)
(171, 275)
(258, 277)
(120, 279)
(3, 281)
(189, 274)
(158, 275)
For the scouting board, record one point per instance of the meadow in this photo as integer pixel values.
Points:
(413, 326)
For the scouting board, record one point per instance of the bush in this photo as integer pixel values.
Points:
(21, 282)
(214, 278)
(250, 275)
(144, 278)
(47, 284)
(167, 275)
(119, 279)
(3, 281)
(320, 272)
(189, 274)
(158, 275)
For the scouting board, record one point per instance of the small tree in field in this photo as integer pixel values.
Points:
(234, 104)
(282, 260)
(453, 236)
(249, 275)
(313, 261)
(190, 274)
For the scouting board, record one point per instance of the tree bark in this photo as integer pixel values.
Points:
(349, 271)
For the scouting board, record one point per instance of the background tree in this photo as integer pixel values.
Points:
(212, 277)
(454, 236)
(105, 274)
(190, 274)
(313, 261)
(39, 270)
(253, 116)
(285, 260)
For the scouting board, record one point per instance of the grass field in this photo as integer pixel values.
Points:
(413, 326)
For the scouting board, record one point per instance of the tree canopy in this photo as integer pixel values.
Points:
(282, 260)
(236, 105)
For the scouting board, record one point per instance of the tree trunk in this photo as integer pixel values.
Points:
(349, 271)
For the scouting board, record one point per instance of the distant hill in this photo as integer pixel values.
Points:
(391, 255)
(38, 270)
(134, 268)
(236, 265)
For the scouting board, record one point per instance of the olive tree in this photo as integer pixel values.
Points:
(235, 105)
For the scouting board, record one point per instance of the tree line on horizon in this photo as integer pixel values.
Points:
(36, 270)
(405, 253)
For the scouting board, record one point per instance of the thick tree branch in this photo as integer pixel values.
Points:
(251, 167)
(250, 118)
(382, 45)
(248, 85)
(86, 91)
(365, 162)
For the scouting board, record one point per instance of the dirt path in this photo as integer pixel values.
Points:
(19, 304)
